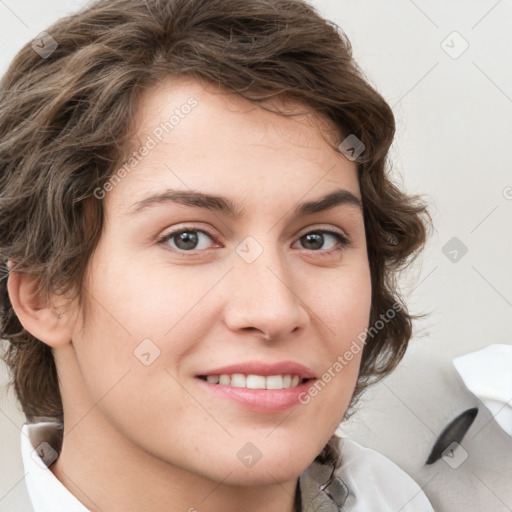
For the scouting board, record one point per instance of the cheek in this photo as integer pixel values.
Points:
(151, 299)
(345, 310)
(140, 322)
(344, 303)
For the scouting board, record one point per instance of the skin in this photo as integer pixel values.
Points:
(140, 437)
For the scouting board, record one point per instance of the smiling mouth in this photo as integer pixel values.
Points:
(251, 381)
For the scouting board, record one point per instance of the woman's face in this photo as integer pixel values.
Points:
(176, 291)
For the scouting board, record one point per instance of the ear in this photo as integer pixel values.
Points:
(45, 320)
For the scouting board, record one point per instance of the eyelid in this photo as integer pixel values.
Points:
(186, 227)
(328, 229)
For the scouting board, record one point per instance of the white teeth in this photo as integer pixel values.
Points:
(239, 380)
(255, 382)
(224, 380)
(275, 382)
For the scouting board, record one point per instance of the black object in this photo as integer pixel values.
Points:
(453, 433)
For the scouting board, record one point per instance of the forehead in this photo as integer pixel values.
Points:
(204, 138)
(216, 105)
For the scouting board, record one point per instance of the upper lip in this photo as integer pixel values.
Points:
(264, 369)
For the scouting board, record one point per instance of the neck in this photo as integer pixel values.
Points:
(107, 473)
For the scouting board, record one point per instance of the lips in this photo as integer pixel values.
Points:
(270, 401)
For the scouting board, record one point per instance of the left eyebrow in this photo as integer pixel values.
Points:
(227, 206)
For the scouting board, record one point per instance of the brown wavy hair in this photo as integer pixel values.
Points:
(65, 125)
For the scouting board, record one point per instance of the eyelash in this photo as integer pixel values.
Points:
(343, 241)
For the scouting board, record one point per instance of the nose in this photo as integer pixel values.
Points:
(265, 297)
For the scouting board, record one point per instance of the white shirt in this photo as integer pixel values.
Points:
(46, 492)
(368, 481)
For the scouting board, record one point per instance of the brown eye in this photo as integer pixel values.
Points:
(186, 239)
(316, 240)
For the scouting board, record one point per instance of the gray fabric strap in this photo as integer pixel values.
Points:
(320, 491)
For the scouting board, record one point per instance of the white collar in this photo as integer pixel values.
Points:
(47, 493)
(366, 479)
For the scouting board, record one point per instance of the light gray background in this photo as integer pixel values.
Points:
(454, 126)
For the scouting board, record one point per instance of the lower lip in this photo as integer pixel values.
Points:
(261, 400)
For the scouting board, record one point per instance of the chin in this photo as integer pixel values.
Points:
(272, 468)
(261, 475)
